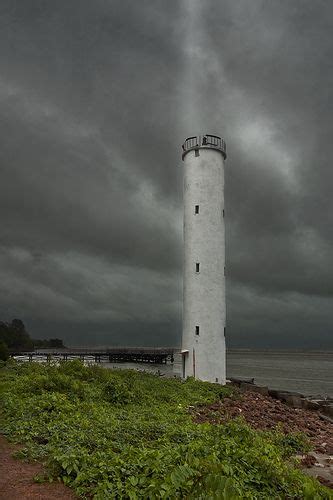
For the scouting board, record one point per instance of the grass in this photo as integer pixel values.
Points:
(124, 434)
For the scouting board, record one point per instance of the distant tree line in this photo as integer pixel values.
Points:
(48, 343)
(14, 337)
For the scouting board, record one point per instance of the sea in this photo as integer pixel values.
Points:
(307, 372)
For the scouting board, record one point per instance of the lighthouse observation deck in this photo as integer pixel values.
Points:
(206, 141)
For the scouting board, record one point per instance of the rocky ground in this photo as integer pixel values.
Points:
(265, 412)
(16, 479)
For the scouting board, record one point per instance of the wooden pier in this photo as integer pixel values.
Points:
(109, 355)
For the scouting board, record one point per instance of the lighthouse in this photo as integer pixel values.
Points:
(204, 305)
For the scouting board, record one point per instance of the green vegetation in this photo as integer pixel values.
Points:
(4, 352)
(124, 434)
(14, 337)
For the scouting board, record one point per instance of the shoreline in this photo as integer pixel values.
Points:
(324, 405)
(289, 374)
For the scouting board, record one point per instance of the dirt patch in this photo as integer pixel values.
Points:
(16, 479)
(266, 413)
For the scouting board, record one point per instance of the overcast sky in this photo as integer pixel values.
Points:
(96, 98)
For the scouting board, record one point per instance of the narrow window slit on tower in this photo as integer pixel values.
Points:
(197, 267)
(197, 330)
(224, 330)
(196, 209)
(197, 152)
(223, 212)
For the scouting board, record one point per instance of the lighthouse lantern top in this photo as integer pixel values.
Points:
(207, 141)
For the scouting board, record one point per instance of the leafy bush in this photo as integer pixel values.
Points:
(4, 352)
(123, 434)
(291, 443)
(116, 391)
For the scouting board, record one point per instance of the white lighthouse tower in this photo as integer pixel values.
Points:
(204, 307)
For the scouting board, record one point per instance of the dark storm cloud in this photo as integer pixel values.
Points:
(95, 99)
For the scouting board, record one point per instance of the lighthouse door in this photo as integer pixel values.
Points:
(184, 353)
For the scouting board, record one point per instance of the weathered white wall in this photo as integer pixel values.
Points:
(204, 242)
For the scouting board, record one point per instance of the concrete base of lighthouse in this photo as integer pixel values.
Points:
(204, 308)
(196, 363)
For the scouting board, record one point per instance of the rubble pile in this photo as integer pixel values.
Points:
(265, 412)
